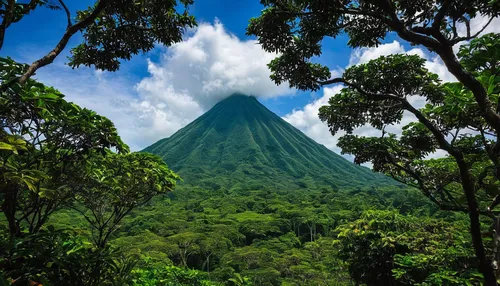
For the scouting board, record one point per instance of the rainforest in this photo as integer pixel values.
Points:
(201, 178)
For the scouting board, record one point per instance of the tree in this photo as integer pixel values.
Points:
(295, 29)
(466, 179)
(213, 244)
(54, 154)
(43, 142)
(386, 248)
(114, 185)
(184, 245)
(113, 30)
(169, 276)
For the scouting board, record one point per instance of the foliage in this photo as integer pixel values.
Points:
(450, 121)
(115, 184)
(54, 154)
(172, 230)
(169, 276)
(43, 142)
(392, 249)
(59, 258)
(295, 29)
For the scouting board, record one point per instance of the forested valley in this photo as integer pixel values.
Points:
(239, 196)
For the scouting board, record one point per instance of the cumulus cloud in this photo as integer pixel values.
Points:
(211, 65)
(364, 55)
(306, 120)
(189, 78)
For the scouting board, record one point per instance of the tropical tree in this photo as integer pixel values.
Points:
(466, 179)
(377, 93)
(386, 248)
(115, 184)
(113, 30)
(43, 141)
(52, 257)
(183, 245)
(212, 247)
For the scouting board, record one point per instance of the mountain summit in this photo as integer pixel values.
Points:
(239, 143)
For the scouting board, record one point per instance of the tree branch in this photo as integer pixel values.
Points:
(68, 14)
(49, 58)
(469, 36)
(434, 130)
(373, 96)
(440, 15)
(9, 12)
(331, 81)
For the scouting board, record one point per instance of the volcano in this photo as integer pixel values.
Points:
(240, 144)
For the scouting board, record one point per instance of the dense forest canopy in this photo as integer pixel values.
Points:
(80, 209)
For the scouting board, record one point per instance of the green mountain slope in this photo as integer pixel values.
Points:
(241, 144)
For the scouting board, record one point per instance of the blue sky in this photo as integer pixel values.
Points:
(155, 94)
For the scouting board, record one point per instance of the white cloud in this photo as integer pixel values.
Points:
(364, 55)
(307, 120)
(189, 78)
(211, 65)
(477, 23)
(433, 64)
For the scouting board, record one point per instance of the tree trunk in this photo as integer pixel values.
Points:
(496, 243)
(208, 264)
(9, 209)
(475, 225)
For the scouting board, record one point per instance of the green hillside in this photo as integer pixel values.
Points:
(240, 144)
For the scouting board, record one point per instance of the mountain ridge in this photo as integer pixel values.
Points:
(239, 143)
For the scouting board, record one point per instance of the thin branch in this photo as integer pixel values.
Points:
(331, 81)
(84, 215)
(422, 30)
(469, 36)
(49, 58)
(495, 202)
(455, 136)
(374, 96)
(9, 13)
(434, 130)
(393, 22)
(68, 14)
(454, 28)
(467, 25)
